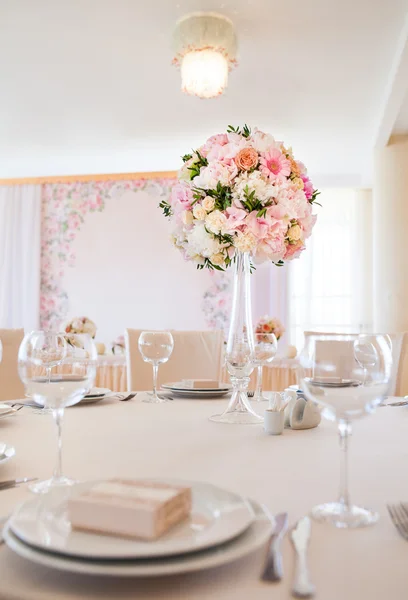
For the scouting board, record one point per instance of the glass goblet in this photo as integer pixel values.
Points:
(331, 377)
(266, 346)
(75, 358)
(365, 354)
(156, 348)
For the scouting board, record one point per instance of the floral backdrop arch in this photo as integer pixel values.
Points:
(65, 206)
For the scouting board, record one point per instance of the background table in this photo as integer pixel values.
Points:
(291, 472)
(112, 373)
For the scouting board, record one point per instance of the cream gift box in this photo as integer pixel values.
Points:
(139, 509)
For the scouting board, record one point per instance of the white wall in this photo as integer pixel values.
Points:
(127, 273)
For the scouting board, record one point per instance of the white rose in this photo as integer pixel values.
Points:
(199, 212)
(216, 221)
(217, 259)
(245, 242)
(187, 217)
(208, 203)
(294, 233)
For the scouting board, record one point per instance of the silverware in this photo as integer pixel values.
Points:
(126, 398)
(273, 570)
(401, 403)
(399, 517)
(300, 535)
(10, 483)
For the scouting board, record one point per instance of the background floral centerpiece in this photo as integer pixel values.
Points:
(118, 345)
(268, 325)
(241, 191)
(81, 325)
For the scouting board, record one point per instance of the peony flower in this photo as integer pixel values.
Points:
(200, 242)
(236, 218)
(294, 233)
(216, 221)
(247, 159)
(262, 142)
(258, 226)
(245, 242)
(274, 165)
(199, 212)
(181, 193)
(208, 203)
(294, 250)
(271, 248)
(187, 217)
(215, 173)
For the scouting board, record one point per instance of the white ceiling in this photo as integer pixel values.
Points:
(87, 85)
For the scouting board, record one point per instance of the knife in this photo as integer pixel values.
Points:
(300, 535)
(6, 485)
(273, 570)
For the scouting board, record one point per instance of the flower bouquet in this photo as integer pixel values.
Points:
(118, 345)
(81, 325)
(241, 198)
(241, 191)
(268, 325)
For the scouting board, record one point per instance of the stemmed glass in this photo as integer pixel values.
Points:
(331, 376)
(156, 348)
(365, 354)
(266, 346)
(75, 356)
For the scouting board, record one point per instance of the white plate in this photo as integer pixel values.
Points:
(195, 394)
(253, 538)
(217, 516)
(179, 387)
(97, 393)
(7, 454)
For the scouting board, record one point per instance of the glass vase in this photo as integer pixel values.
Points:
(239, 355)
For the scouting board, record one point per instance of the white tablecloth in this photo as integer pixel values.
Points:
(291, 472)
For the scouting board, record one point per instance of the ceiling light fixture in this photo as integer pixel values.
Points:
(205, 48)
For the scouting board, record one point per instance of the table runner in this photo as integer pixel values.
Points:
(291, 472)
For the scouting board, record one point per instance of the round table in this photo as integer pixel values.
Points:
(289, 473)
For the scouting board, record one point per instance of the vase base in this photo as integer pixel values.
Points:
(238, 418)
(344, 517)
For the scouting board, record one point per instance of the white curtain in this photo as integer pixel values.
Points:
(330, 285)
(20, 248)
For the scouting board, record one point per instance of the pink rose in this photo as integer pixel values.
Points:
(246, 159)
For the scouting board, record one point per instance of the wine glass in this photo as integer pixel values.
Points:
(156, 348)
(266, 346)
(331, 376)
(365, 354)
(75, 358)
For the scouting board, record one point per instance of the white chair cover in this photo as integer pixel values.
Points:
(196, 355)
(11, 387)
(399, 378)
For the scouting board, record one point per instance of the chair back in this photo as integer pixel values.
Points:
(11, 386)
(196, 355)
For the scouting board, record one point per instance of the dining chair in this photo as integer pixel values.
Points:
(11, 386)
(196, 355)
(399, 341)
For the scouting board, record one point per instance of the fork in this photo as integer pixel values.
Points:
(399, 517)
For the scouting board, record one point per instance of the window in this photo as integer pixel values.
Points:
(330, 285)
